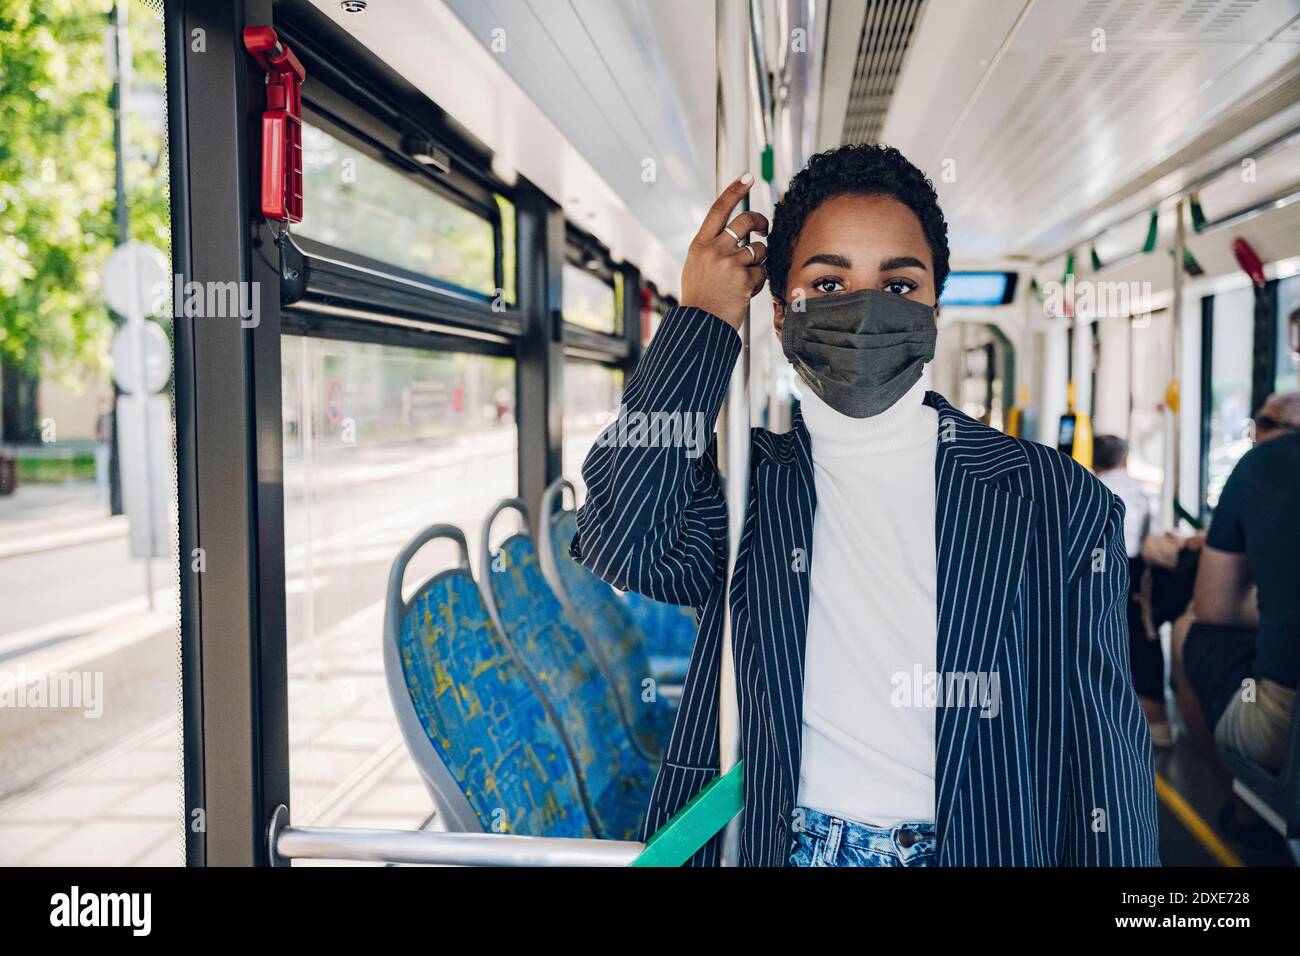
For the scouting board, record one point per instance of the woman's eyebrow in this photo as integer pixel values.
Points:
(901, 262)
(829, 259)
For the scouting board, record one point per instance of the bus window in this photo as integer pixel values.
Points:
(589, 301)
(1229, 408)
(1287, 378)
(509, 254)
(379, 442)
(362, 204)
(90, 761)
(650, 325)
(591, 397)
(652, 313)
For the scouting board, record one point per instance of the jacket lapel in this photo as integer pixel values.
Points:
(982, 534)
(780, 558)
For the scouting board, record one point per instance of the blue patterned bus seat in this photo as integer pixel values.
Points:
(617, 778)
(482, 716)
(670, 633)
(602, 617)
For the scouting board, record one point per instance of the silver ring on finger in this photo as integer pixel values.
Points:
(753, 256)
(739, 242)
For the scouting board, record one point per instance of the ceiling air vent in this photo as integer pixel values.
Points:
(887, 31)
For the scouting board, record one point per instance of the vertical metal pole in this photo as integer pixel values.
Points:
(963, 369)
(1128, 359)
(539, 402)
(1173, 396)
(732, 44)
(121, 74)
(1081, 373)
(1030, 313)
(1055, 366)
(1205, 376)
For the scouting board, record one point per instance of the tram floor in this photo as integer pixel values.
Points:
(1192, 790)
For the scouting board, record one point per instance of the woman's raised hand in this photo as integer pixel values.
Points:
(723, 268)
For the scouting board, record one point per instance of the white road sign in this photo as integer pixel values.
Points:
(132, 278)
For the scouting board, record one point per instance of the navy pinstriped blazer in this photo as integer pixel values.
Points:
(1032, 585)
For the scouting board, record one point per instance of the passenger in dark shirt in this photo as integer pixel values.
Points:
(1243, 656)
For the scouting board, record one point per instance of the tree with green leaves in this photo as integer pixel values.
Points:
(57, 195)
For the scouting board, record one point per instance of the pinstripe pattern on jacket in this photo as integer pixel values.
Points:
(1032, 582)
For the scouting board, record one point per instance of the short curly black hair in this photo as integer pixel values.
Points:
(867, 169)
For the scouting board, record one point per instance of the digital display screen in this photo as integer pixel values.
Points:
(978, 288)
(1066, 436)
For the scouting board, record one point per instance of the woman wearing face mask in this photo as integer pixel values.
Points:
(928, 617)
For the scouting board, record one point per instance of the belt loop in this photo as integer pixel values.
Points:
(833, 841)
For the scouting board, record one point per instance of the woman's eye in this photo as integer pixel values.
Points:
(827, 285)
(899, 287)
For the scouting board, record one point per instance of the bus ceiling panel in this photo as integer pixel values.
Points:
(335, 277)
(629, 84)
(868, 45)
(562, 106)
(1037, 120)
(1235, 148)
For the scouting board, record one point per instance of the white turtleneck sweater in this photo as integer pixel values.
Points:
(868, 747)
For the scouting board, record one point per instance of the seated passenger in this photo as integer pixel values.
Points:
(1146, 658)
(1242, 658)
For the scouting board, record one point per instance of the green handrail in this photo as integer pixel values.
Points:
(696, 823)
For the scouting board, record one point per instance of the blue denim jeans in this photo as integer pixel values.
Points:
(824, 840)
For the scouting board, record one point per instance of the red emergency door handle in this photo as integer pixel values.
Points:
(281, 124)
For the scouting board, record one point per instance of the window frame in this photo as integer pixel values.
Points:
(340, 277)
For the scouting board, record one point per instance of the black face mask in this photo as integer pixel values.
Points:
(860, 352)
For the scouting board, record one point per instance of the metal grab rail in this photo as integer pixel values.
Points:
(446, 849)
(703, 816)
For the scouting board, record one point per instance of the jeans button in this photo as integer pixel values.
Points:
(907, 837)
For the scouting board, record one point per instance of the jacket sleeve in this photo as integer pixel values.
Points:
(655, 519)
(1110, 802)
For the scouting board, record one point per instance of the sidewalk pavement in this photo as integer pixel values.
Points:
(44, 517)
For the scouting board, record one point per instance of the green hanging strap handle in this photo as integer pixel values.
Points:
(1191, 519)
(1153, 232)
(696, 823)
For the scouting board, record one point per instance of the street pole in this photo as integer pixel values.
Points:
(121, 221)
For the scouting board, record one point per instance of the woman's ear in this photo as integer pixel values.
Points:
(778, 314)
